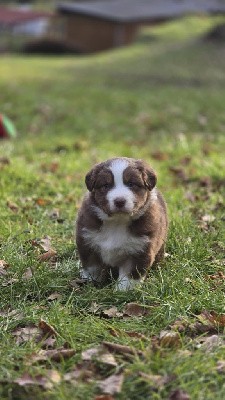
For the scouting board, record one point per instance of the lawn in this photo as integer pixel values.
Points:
(161, 99)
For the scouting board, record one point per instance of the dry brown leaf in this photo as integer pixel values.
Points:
(46, 381)
(121, 349)
(3, 267)
(160, 155)
(136, 335)
(48, 343)
(215, 318)
(220, 366)
(26, 333)
(136, 310)
(111, 313)
(104, 397)
(210, 343)
(48, 255)
(41, 202)
(54, 355)
(77, 283)
(54, 296)
(94, 308)
(45, 243)
(169, 339)
(4, 264)
(13, 206)
(112, 384)
(208, 218)
(46, 328)
(99, 354)
(52, 167)
(82, 372)
(157, 381)
(179, 172)
(28, 274)
(4, 161)
(179, 394)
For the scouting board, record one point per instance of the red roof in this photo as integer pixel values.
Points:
(14, 16)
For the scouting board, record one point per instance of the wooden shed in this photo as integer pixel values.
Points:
(98, 25)
(93, 26)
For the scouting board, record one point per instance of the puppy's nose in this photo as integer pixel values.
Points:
(119, 202)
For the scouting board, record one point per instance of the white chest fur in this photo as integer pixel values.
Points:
(114, 242)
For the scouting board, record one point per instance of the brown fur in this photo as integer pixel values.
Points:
(149, 221)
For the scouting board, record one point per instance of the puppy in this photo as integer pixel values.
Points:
(122, 223)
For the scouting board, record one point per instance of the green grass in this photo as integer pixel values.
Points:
(166, 93)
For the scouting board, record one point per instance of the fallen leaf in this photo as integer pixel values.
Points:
(54, 296)
(94, 308)
(136, 310)
(169, 339)
(26, 333)
(99, 354)
(45, 243)
(84, 372)
(186, 160)
(10, 282)
(179, 325)
(48, 255)
(46, 381)
(54, 355)
(210, 343)
(41, 202)
(179, 394)
(220, 366)
(112, 384)
(205, 181)
(121, 349)
(159, 155)
(104, 397)
(28, 274)
(179, 172)
(136, 335)
(111, 313)
(191, 197)
(208, 218)
(48, 343)
(3, 267)
(202, 120)
(78, 282)
(214, 317)
(46, 328)
(157, 381)
(13, 206)
(4, 161)
(52, 167)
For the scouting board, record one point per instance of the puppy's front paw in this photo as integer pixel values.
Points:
(126, 283)
(91, 274)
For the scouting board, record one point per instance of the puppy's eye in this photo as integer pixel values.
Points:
(105, 186)
(131, 184)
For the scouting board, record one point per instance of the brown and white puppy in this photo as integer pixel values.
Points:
(122, 223)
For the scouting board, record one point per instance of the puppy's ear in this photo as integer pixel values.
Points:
(90, 179)
(91, 176)
(148, 174)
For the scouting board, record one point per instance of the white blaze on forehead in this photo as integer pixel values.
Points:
(120, 190)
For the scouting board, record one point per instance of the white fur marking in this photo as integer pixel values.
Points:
(120, 190)
(100, 213)
(114, 241)
(153, 195)
(124, 282)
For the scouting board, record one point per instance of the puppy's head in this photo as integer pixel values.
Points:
(121, 185)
